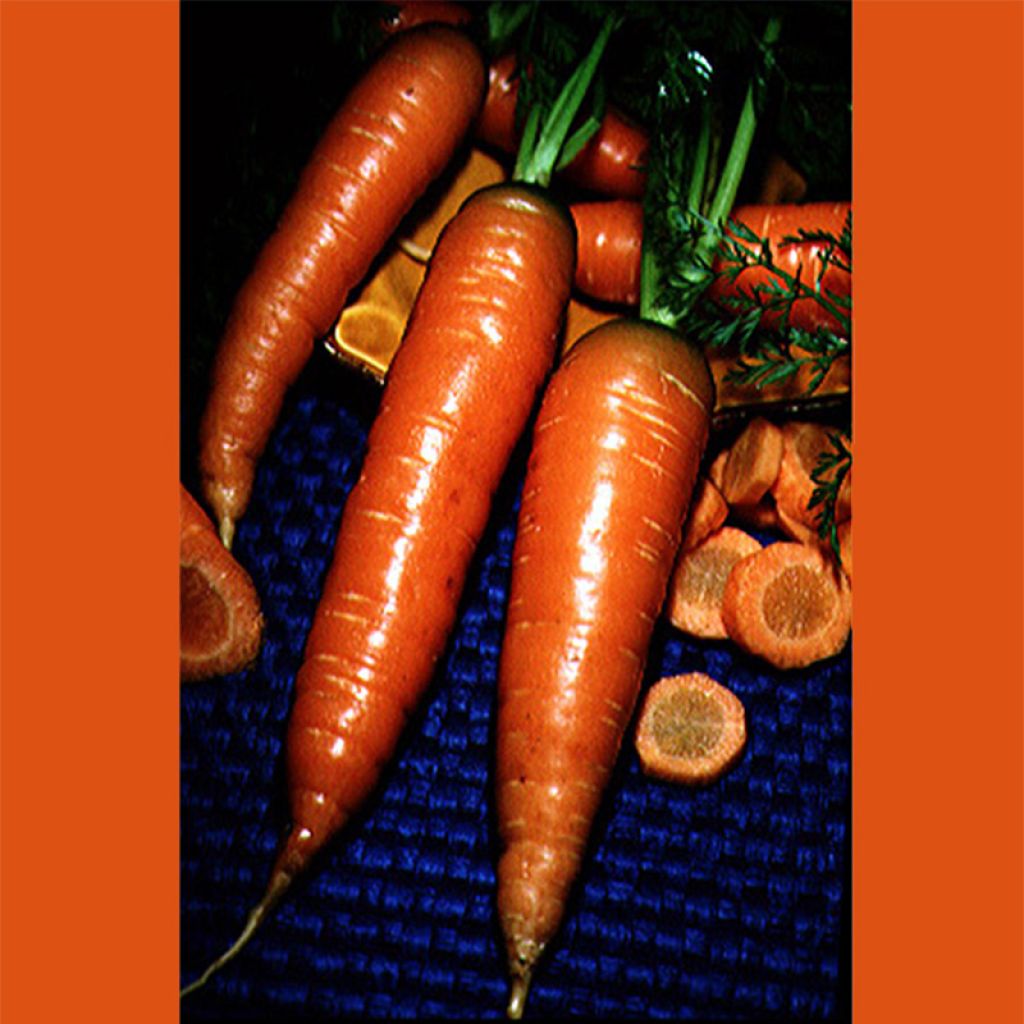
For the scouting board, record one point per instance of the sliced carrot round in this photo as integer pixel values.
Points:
(708, 511)
(803, 444)
(698, 581)
(788, 605)
(690, 730)
(753, 463)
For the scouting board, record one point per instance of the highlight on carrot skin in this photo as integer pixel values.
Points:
(221, 624)
(691, 729)
(788, 604)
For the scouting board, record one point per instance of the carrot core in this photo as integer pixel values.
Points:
(688, 723)
(204, 615)
(797, 603)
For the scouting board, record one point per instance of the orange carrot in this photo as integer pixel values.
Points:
(753, 463)
(716, 468)
(395, 132)
(845, 532)
(761, 515)
(615, 454)
(400, 17)
(221, 624)
(611, 163)
(781, 182)
(788, 605)
(708, 511)
(691, 729)
(802, 446)
(479, 342)
(610, 235)
(698, 582)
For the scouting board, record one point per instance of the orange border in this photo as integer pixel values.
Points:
(88, 413)
(937, 868)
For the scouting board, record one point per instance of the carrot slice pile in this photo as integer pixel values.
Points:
(802, 445)
(788, 605)
(752, 464)
(698, 582)
(708, 511)
(690, 730)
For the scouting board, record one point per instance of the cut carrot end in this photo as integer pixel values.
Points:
(279, 884)
(786, 604)
(517, 995)
(691, 729)
(698, 582)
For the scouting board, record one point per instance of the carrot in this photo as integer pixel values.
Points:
(845, 531)
(400, 17)
(612, 161)
(778, 225)
(786, 604)
(698, 582)
(691, 729)
(781, 182)
(793, 489)
(708, 511)
(761, 515)
(221, 624)
(616, 449)
(610, 236)
(753, 463)
(480, 340)
(394, 133)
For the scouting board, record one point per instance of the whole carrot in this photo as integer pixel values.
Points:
(616, 448)
(612, 161)
(479, 343)
(395, 132)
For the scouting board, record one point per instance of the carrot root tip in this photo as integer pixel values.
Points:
(517, 994)
(227, 531)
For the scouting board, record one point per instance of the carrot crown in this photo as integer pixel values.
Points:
(549, 145)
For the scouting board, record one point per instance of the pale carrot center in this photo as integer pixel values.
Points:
(204, 616)
(797, 603)
(704, 580)
(687, 723)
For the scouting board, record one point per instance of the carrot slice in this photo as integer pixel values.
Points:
(221, 624)
(753, 463)
(698, 582)
(708, 511)
(802, 445)
(762, 515)
(845, 532)
(787, 605)
(716, 468)
(690, 730)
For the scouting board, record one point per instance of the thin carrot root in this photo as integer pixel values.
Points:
(279, 885)
(698, 582)
(691, 729)
(517, 995)
(786, 604)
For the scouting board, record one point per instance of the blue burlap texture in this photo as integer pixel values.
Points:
(727, 903)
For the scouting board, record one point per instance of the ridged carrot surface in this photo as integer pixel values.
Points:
(616, 449)
(395, 132)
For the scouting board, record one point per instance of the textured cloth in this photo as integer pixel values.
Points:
(726, 903)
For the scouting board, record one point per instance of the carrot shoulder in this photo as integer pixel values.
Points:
(395, 132)
(221, 623)
(615, 453)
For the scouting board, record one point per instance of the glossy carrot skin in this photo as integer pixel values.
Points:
(609, 239)
(403, 16)
(395, 132)
(612, 161)
(776, 222)
(480, 341)
(616, 449)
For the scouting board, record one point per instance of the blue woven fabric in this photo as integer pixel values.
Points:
(727, 903)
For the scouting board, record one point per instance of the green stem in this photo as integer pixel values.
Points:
(535, 163)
